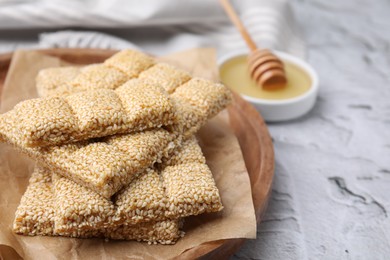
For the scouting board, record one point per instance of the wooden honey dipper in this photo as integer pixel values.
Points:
(266, 69)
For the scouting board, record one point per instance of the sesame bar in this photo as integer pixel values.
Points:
(183, 186)
(80, 211)
(122, 66)
(196, 99)
(134, 106)
(36, 216)
(104, 166)
(191, 115)
(67, 80)
(77, 208)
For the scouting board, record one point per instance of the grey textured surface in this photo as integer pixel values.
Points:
(331, 196)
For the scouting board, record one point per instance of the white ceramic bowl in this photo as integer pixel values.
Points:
(286, 109)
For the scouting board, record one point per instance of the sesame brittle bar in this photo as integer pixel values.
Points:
(104, 166)
(134, 106)
(36, 215)
(183, 186)
(121, 67)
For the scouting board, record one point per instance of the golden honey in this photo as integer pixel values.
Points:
(234, 74)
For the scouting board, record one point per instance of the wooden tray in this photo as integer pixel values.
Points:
(249, 127)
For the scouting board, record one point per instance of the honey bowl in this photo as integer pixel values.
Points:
(294, 100)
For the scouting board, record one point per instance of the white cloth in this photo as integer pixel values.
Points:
(157, 26)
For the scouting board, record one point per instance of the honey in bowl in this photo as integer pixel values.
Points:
(234, 74)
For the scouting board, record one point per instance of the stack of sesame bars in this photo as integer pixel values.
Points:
(115, 150)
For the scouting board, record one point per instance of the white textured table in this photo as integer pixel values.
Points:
(331, 194)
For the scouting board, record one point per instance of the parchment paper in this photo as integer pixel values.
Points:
(219, 145)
